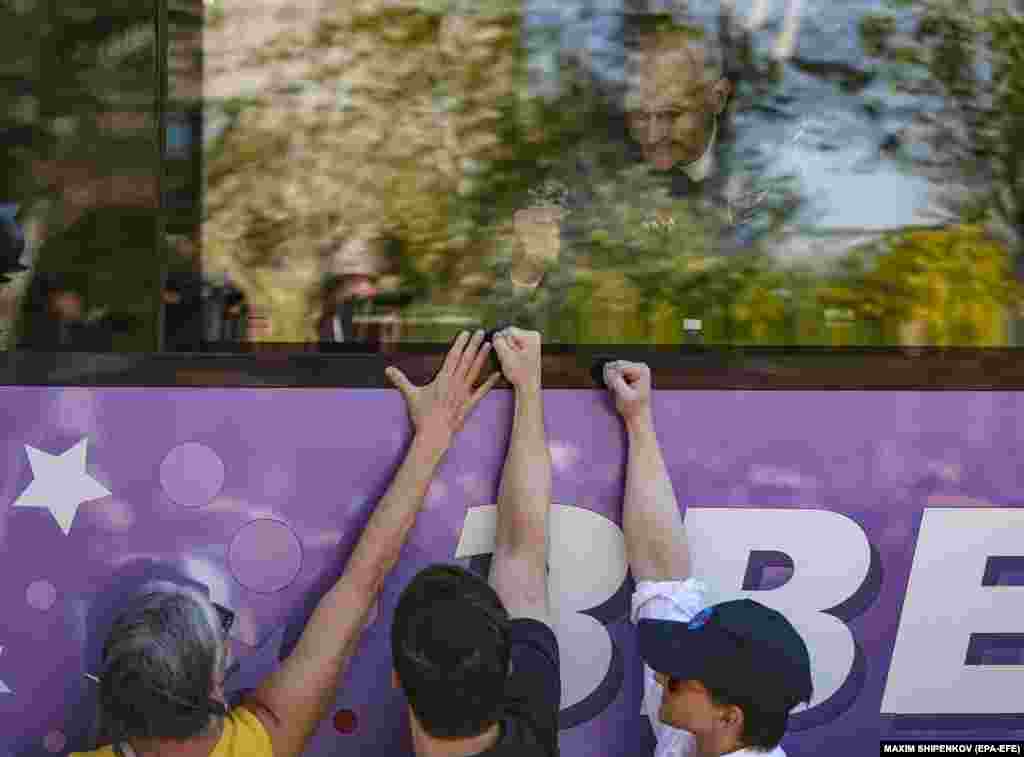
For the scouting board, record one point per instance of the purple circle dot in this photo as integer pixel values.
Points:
(41, 595)
(265, 556)
(192, 474)
(54, 741)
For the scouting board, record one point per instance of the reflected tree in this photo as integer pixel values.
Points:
(78, 83)
(945, 287)
(962, 63)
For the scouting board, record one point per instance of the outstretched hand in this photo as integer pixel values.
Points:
(441, 407)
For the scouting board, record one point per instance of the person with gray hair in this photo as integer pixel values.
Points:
(161, 684)
(158, 661)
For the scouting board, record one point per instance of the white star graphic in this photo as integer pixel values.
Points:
(3, 686)
(60, 484)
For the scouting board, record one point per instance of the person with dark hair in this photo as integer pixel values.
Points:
(341, 297)
(182, 296)
(477, 659)
(161, 685)
(717, 680)
(12, 243)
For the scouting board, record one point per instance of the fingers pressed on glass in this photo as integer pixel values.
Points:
(468, 360)
(451, 361)
(483, 389)
(479, 361)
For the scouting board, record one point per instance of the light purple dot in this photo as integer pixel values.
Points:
(265, 556)
(192, 474)
(41, 595)
(55, 741)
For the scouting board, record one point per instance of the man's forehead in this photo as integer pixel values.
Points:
(661, 100)
(667, 71)
(653, 96)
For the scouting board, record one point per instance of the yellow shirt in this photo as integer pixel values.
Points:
(243, 736)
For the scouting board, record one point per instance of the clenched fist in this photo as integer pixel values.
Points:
(630, 384)
(519, 355)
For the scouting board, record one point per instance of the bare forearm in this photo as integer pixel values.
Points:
(524, 495)
(655, 538)
(300, 692)
(341, 612)
(385, 533)
(302, 689)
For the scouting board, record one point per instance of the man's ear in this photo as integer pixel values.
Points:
(720, 92)
(395, 683)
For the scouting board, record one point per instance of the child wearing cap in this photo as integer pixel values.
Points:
(718, 680)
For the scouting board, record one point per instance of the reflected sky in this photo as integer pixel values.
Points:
(851, 185)
(377, 133)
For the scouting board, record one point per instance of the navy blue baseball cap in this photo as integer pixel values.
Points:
(742, 645)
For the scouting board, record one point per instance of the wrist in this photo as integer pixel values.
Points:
(433, 441)
(641, 422)
(528, 388)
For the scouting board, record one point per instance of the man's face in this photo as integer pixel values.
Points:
(358, 285)
(66, 305)
(539, 242)
(673, 104)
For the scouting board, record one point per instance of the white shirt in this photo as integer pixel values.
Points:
(679, 601)
(702, 167)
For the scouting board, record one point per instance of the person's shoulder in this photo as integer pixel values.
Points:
(536, 634)
(749, 752)
(518, 749)
(106, 751)
(533, 691)
(523, 739)
(529, 627)
(246, 732)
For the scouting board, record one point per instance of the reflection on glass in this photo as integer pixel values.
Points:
(80, 163)
(716, 175)
(378, 173)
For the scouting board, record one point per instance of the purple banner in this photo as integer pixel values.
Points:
(883, 523)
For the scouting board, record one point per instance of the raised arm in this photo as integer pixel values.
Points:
(656, 544)
(519, 566)
(293, 700)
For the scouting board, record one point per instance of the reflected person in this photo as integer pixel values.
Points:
(676, 108)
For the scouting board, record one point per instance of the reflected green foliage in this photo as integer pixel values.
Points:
(419, 129)
(81, 156)
(107, 257)
(954, 284)
(964, 63)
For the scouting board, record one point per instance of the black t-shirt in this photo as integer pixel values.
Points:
(530, 725)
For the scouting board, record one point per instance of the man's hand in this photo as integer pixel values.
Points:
(519, 355)
(630, 384)
(441, 407)
(538, 244)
